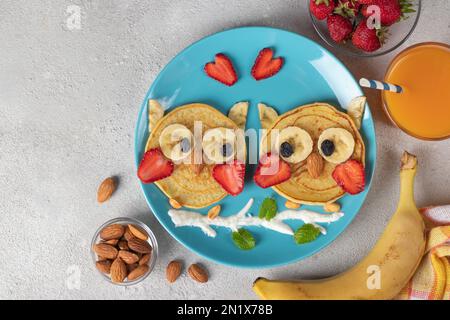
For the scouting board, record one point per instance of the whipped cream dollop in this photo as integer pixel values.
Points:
(184, 218)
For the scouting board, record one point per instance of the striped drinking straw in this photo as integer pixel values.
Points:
(380, 85)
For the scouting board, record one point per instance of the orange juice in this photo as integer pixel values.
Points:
(423, 108)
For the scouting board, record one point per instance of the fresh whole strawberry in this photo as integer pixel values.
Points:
(347, 8)
(390, 11)
(222, 70)
(350, 176)
(154, 166)
(366, 39)
(266, 65)
(271, 170)
(230, 176)
(339, 27)
(321, 8)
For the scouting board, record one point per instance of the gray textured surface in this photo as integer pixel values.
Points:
(68, 105)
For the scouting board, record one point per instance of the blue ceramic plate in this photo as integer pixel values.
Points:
(310, 74)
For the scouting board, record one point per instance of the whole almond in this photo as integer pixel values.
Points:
(104, 266)
(292, 205)
(112, 242)
(105, 251)
(127, 234)
(118, 271)
(214, 212)
(173, 271)
(128, 257)
(112, 232)
(139, 245)
(138, 232)
(198, 273)
(145, 259)
(131, 267)
(332, 207)
(100, 258)
(123, 245)
(314, 164)
(175, 204)
(138, 272)
(106, 189)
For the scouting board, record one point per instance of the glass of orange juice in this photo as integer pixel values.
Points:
(423, 108)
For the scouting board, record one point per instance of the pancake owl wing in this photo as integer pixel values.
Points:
(155, 113)
(356, 109)
(238, 113)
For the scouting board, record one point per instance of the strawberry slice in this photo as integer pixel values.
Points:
(230, 176)
(154, 166)
(222, 70)
(350, 176)
(265, 66)
(270, 173)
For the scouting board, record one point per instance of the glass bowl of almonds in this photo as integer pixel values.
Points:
(124, 251)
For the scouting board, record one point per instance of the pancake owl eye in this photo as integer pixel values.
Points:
(227, 150)
(327, 147)
(218, 145)
(176, 141)
(336, 145)
(185, 145)
(295, 144)
(286, 149)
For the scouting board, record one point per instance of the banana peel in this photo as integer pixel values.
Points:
(386, 269)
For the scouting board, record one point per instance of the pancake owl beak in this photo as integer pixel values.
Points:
(314, 164)
(196, 162)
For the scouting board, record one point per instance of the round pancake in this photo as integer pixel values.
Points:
(315, 118)
(189, 189)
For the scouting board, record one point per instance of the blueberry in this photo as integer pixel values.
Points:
(185, 145)
(327, 147)
(286, 149)
(227, 149)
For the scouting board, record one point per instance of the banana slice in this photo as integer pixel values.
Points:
(176, 142)
(356, 110)
(294, 144)
(267, 115)
(219, 145)
(336, 145)
(155, 113)
(238, 113)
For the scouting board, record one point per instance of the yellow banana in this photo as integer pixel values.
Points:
(387, 268)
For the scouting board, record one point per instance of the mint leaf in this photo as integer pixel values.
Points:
(306, 233)
(243, 239)
(268, 209)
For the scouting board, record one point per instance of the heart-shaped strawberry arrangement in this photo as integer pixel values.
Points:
(265, 66)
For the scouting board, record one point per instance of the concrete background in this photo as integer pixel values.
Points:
(68, 105)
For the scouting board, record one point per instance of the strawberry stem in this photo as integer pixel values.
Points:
(327, 2)
(406, 7)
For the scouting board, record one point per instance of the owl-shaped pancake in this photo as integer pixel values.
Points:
(196, 167)
(320, 151)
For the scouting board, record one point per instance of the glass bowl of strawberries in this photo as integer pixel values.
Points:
(364, 28)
